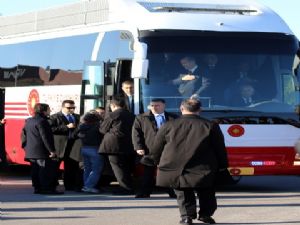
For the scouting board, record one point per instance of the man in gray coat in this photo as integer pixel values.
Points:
(189, 151)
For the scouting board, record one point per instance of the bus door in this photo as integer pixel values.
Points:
(123, 68)
(2, 144)
(94, 88)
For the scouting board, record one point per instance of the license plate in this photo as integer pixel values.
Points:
(236, 171)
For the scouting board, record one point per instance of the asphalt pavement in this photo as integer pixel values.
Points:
(254, 200)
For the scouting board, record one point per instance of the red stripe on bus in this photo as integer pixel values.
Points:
(16, 114)
(15, 103)
(15, 108)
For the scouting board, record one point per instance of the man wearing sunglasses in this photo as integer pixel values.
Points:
(63, 125)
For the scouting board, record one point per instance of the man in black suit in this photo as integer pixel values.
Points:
(128, 92)
(37, 140)
(63, 125)
(117, 145)
(191, 80)
(189, 151)
(212, 76)
(144, 130)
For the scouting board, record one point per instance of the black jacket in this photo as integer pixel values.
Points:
(58, 123)
(89, 134)
(190, 150)
(37, 138)
(117, 127)
(144, 130)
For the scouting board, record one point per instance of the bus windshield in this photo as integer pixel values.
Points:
(232, 71)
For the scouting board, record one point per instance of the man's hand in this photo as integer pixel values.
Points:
(188, 77)
(2, 121)
(71, 125)
(52, 155)
(205, 82)
(140, 152)
(147, 160)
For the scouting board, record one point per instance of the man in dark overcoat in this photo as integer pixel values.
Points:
(189, 152)
(144, 131)
(63, 126)
(117, 144)
(37, 140)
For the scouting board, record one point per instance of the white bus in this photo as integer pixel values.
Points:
(44, 54)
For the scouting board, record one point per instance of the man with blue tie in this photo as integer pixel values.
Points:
(63, 125)
(144, 130)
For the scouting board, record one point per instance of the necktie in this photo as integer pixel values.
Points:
(70, 118)
(131, 103)
(160, 120)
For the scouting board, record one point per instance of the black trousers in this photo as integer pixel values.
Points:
(186, 201)
(122, 166)
(43, 174)
(72, 173)
(147, 180)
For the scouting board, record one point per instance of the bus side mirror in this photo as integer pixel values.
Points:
(140, 64)
(139, 68)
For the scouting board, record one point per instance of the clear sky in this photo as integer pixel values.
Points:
(287, 9)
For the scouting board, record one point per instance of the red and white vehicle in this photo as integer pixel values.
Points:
(107, 42)
(19, 103)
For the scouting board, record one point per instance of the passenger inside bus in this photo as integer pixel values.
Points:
(214, 74)
(246, 95)
(240, 75)
(189, 80)
(265, 75)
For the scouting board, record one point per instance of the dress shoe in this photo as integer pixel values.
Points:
(186, 221)
(142, 195)
(207, 219)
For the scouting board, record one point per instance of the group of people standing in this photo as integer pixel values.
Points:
(188, 150)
